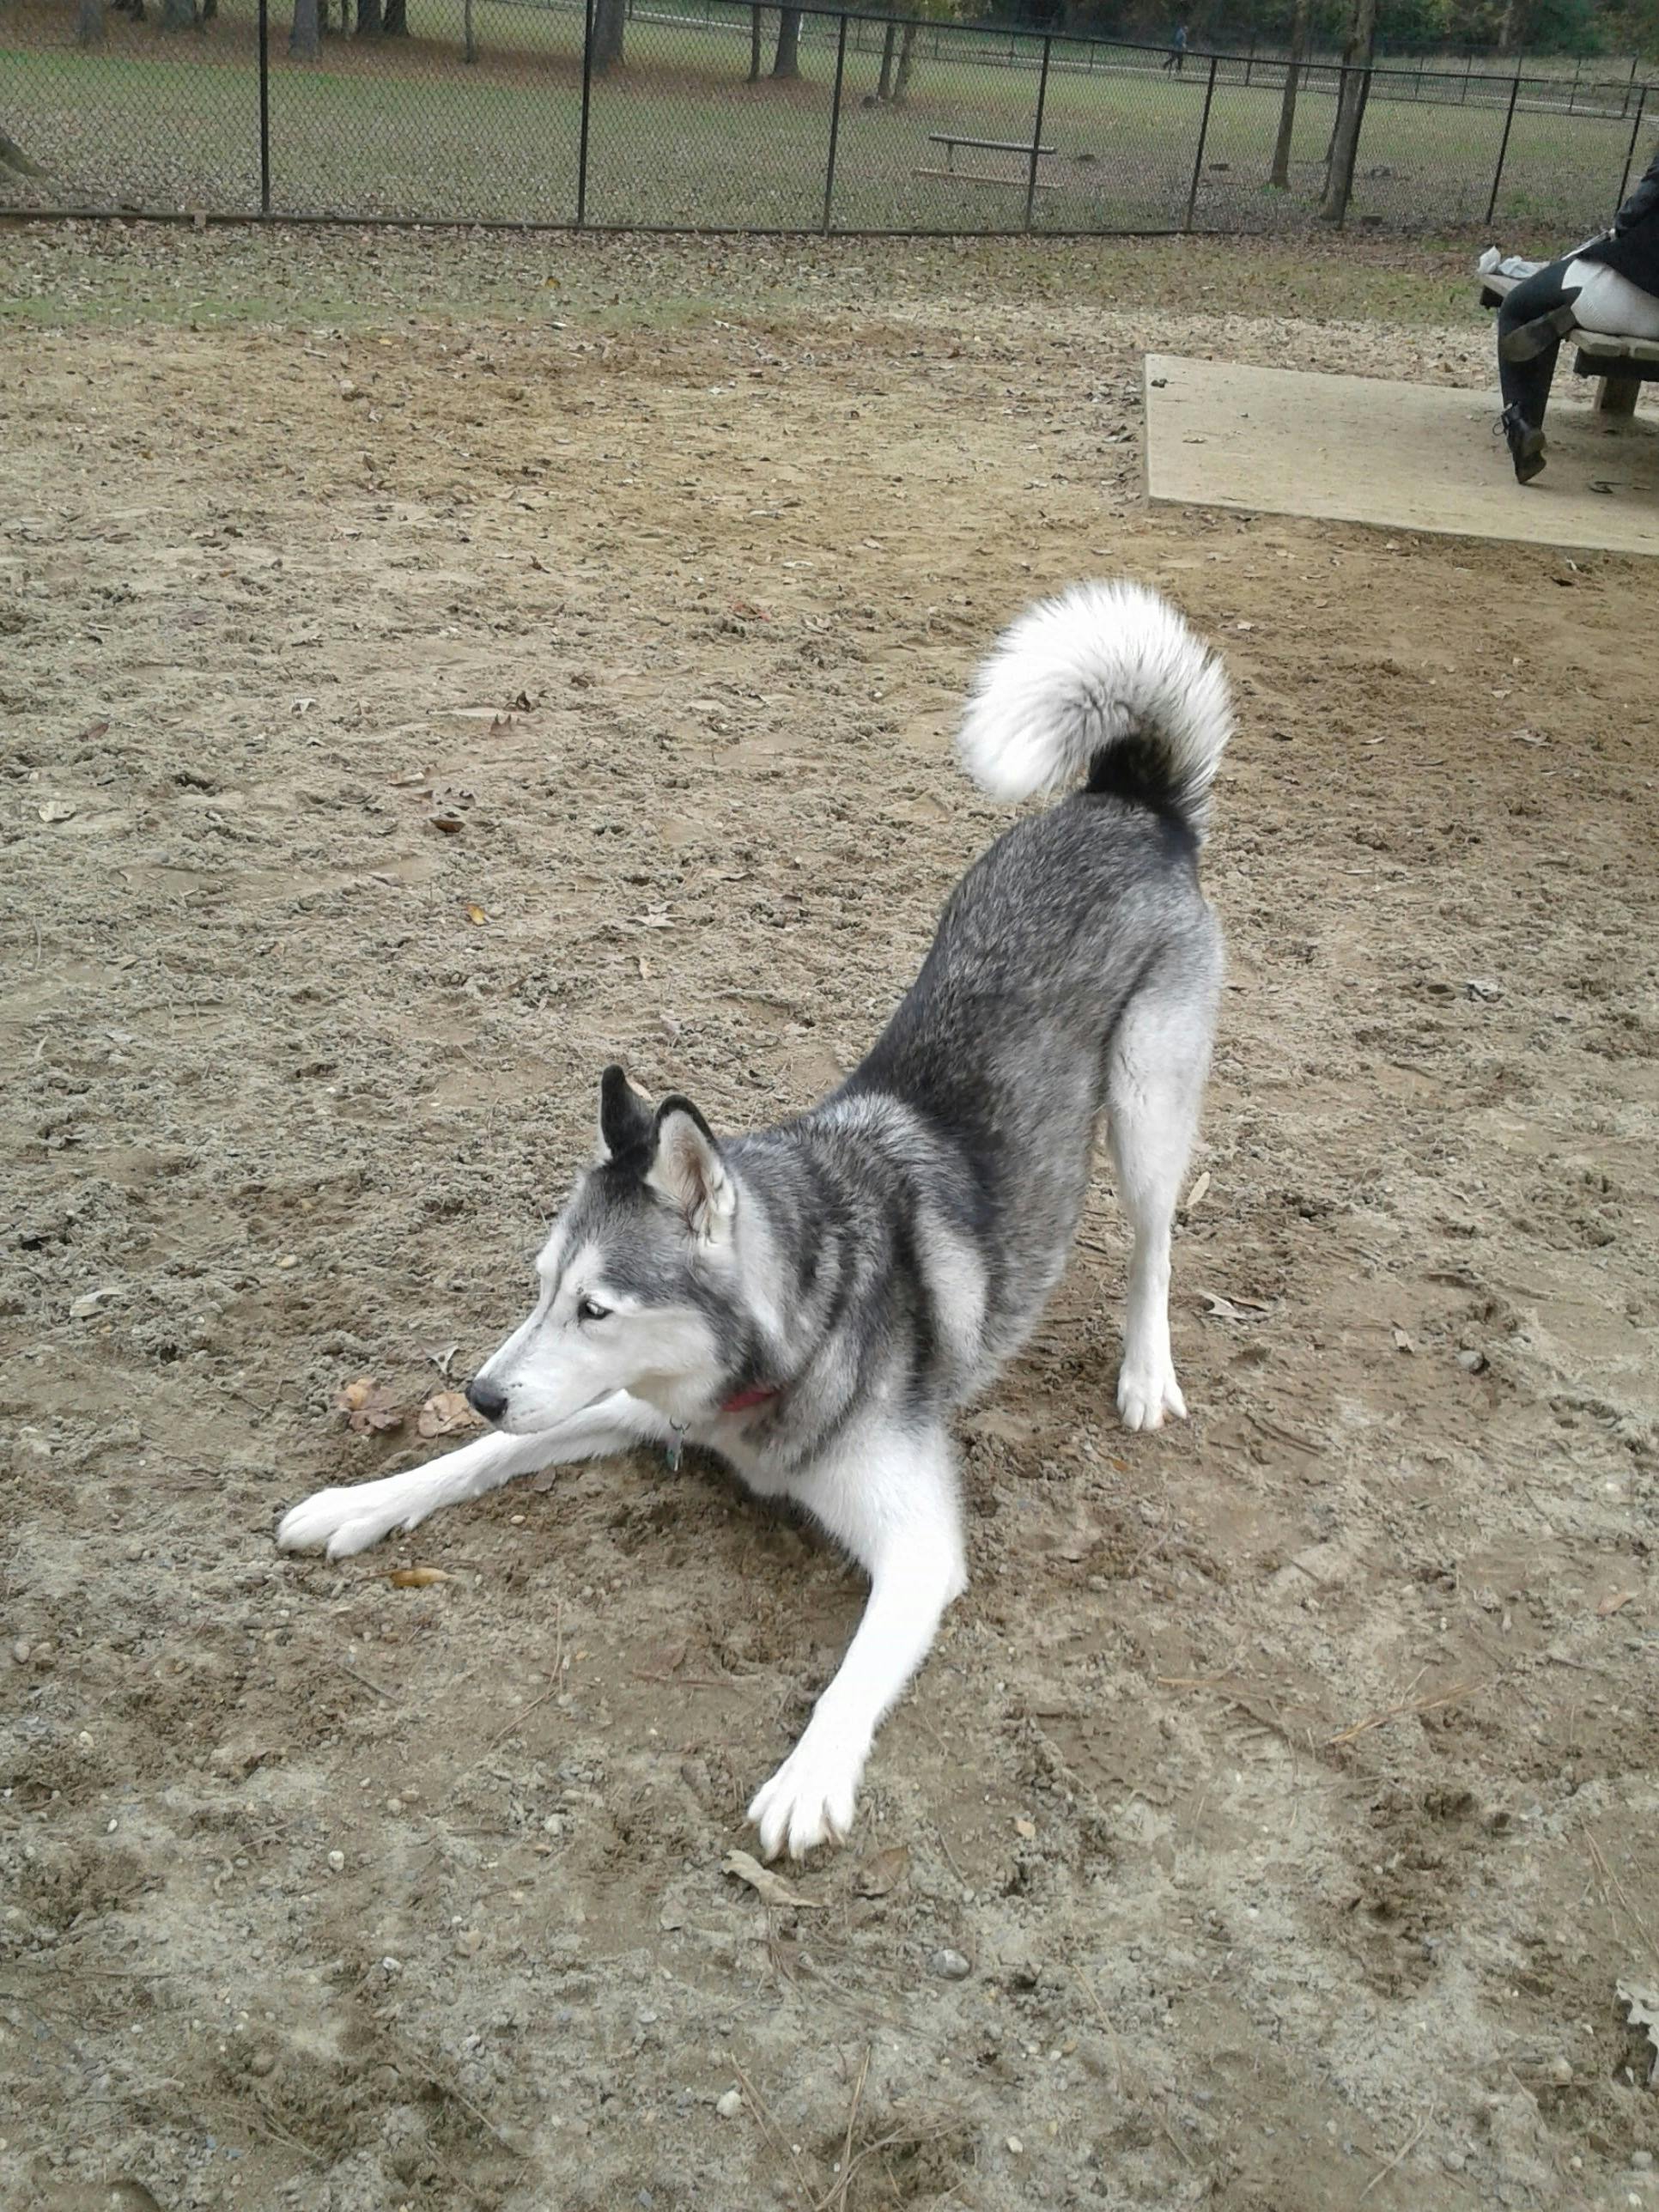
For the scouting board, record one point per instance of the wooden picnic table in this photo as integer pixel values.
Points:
(1624, 364)
(951, 140)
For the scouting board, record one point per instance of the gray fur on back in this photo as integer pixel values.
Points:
(921, 1216)
(911, 1228)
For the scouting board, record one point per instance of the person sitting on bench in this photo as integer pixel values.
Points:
(1610, 284)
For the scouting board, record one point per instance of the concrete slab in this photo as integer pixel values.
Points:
(1401, 456)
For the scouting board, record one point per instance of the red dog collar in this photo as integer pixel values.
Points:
(744, 1401)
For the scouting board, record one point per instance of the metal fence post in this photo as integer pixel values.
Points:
(1504, 146)
(265, 107)
(1037, 133)
(835, 125)
(587, 105)
(1203, 133)
(1630, 158)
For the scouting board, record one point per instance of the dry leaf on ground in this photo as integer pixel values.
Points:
(368, 1406)
(1641, 2002)
(443, 1413)
(417, 1577)
(772, 1889)
(882, 1871)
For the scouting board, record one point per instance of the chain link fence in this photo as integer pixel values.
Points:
(706, 115)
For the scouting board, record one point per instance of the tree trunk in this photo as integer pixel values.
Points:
(369, 25)
(610, 20)
(89, 23)
(1345, 137)
(178, 15)
(13, 157)
(755, 27)
(305, 41)
(471, 48)
(786, 61)
(1281, 175)
(885, 86)
(394, 24)
(1507, 38)
(902, 76)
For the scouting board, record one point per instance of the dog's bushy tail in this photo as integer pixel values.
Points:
(1104, 683)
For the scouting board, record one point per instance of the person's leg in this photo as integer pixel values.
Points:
(1529, 340)
(1607, 301)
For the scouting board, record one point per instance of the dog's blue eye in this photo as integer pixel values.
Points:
(586, 1311)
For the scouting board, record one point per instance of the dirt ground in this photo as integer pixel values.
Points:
(1286, 1780)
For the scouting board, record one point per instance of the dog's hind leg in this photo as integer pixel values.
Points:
(891, 1497)
(1158, 1062)
(352, 1517)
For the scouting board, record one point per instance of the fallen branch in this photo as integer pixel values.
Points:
(1404, 2151)
(770, 2129)
(1395, 1712)
(836, 2200)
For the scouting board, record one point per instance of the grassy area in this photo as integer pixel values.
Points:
(678, 139)
(77, 275)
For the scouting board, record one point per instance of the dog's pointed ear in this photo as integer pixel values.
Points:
(688, 1169)
(625, 1124)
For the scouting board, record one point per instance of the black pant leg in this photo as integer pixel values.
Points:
(1526, 384)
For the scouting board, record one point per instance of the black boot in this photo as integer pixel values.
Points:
(1537, 335)
(1526, 445)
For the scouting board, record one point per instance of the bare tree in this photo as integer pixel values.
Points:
(89, 23)
(786, 61)
(369, 24)
(13, 157)
(1281, 174)
(610, 22)
(1345, 137)
(901, 76)
(305, 39)
(884, 84)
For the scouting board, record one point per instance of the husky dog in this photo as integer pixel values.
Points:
(814, 1302)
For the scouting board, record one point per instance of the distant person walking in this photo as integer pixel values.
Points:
(1612, 283)
(1177, 56)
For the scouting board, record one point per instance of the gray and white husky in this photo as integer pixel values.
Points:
(813, 1302)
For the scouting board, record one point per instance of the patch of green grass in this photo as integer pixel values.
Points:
(679, 138)
(160, 277)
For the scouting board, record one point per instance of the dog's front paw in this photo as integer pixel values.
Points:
(811, 1798)
(1147, 1392)
(339, 1521)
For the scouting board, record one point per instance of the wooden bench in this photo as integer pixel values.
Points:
(950, 141)
(1623, 364)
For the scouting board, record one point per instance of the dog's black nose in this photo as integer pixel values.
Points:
(486, 1398)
